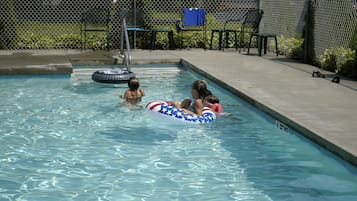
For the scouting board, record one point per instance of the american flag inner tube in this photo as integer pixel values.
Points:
(112, 76)
(176, 114)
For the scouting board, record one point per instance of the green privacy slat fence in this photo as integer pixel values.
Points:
(41, 24)
(333, 22)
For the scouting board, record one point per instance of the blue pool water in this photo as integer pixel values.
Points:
(63, 138)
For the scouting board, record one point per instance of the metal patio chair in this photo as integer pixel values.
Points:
(95, 20)
(248, 25)
(194, 19)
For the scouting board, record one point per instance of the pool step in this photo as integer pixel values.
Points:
(84, 75)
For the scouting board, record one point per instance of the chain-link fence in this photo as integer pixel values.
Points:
(34, 24)
(334, 24)
(322, 23)
(42, 24)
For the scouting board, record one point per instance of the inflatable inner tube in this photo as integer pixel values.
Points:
(176, 114)
(112, 76)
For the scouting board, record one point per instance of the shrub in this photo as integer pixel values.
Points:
(95, 44)
(68, 41)
(190, 39)
(35, 41)
(291, 47)
(337, 59)
(162, 41)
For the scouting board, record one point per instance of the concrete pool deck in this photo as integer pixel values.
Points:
(325, 112)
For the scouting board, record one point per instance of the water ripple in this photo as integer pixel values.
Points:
(71, 142)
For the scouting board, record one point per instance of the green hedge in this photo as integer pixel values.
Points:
(291, 47)
(338, 59)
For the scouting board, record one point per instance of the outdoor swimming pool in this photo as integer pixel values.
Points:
(63, 138)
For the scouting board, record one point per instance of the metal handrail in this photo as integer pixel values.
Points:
(127, 54)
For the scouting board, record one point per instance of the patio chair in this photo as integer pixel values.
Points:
(194, 19)
(95, 20)
(229, 26)
(170, 35)
(135, 20)
(225, 32)
(262, 42)
(261, 38)
(249, 24)
(157, 27)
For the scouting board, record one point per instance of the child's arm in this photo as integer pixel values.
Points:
(127, 95)
(142, 92)
(198, 106)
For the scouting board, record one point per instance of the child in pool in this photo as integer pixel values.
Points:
(212, 102)
(198, 92)
(133, 94)
(186, 103)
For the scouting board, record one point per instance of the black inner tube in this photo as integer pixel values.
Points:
(114, 77)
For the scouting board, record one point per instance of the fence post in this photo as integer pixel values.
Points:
(309, 32)
(354, 47)
(354, 71)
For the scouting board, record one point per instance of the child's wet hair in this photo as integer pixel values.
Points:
(133, 83)
(201, 87)
(212, 99)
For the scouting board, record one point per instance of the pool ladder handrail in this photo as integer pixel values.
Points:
(126, 54)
